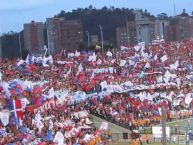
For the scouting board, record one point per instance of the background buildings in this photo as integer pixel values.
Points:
(34, 37)
(121, 26)
(63, 34)
(142, 29)
(68, 34)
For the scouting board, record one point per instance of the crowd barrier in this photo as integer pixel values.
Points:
(125, 138)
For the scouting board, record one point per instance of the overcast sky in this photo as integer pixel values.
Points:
(13, 13)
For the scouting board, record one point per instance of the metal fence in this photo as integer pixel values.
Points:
(173, 139)
(173, 130)
(177, 134)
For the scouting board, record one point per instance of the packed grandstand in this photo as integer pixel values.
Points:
(49, 99)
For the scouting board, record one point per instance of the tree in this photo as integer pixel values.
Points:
(90, 7)
(184, 14)
(105, 8)
(145, 11)
(62, 13)
(184, 11)
(112, 8)
(162, 16)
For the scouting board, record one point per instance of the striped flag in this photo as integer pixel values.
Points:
(16, 110)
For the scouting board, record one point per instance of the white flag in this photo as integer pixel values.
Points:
(109, 54)
(4, 116)
(39, 125)
(69, 71)
(80, 68)
(59, 138)
(51, 93)
(155, 57)
(99, 61)
(147, 65)
(122, 62)
(137, 48)
(92, 57)
(27, 59)
(188, 99)
(167, 74)
(77, 53)
(113, 60)
(164, 58)
(175, 65)
(20, 62)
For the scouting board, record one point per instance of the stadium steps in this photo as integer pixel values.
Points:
(114, 127)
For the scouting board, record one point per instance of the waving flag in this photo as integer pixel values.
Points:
(4, 117)
(109, 54)
(49, 136)
(16, 110)
(164, 58)
(39, 100)
(20, 62)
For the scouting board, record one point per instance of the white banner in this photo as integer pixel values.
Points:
(157, 132)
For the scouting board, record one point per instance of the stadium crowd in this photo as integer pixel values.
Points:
(48, 100)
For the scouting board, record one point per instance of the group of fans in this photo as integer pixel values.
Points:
(48, 100)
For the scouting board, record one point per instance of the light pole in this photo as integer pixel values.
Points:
(101, 29)
(88, 36)
(127, 32)
(20, 43)
(163, 122)
(48, 40)
(139, 32)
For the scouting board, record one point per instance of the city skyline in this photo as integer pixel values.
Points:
(14, 13)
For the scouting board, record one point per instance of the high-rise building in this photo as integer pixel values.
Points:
(63, 34)
(180, 28)
(34, 37)
(126, 36)
(170, 33)
(131, 30)
(53, 34)
(184, 28)
(160, 28)
(122, 36)
(144, 27)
